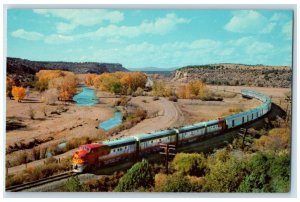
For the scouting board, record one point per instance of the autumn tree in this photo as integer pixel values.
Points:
(89, 79)
(118, 82)
(68, 88)
(160, 88)
(18, 93)
(194, 89)
(9, 85)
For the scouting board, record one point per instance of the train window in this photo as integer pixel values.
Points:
(243, 120)
(232, 123)
(252, 116)
(256, 114)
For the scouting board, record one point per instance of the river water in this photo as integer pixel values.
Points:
(87, 97)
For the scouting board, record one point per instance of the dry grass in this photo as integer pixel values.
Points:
(30, 174)
(232, 111)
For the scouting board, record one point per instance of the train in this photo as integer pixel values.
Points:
(104, 153)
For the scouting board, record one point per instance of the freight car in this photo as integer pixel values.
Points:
(108, 152)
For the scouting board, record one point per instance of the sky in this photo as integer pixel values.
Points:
(151, 38)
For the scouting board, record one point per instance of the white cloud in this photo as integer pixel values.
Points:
(81, 17)
(64, 27)
(32, 36)
(248, 21)
(287, 30)
(112, 33)
(269, 27)
(58, 39)
(159, 26)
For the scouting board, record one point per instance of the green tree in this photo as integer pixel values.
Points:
(224, 174)
(177, 183)
(267, 173)
(139, 175)
(191, 164)
(73, 185)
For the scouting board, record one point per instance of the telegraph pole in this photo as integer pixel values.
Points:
(243, 134)
(168, 150)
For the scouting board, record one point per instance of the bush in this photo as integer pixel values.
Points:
(139, 175)
(31, 113)
(121, 101)
(224, 173)
(173, 183)
(191, 164)
(73, 185)
(161, 89)
(9, 84)
(18, 93)
(173, 98)
(155, 98)
(267, 173)
(41, 85)
(51, 96)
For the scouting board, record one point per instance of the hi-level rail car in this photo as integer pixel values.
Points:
(107, 152)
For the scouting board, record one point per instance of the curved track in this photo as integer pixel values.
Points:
(21, 187)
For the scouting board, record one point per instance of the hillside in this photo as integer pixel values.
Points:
(25, 69)
(237, 74)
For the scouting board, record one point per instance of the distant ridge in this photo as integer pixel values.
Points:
(237, 74)
(22, 66)
(153, 69)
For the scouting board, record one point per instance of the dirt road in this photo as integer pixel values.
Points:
(166, 114)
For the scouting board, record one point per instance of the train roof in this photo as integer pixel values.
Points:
(93, 145)
(119, 142)
(157, 134)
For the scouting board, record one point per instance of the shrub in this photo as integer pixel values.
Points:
(191, 164)
(31, 113)
(9, 85)
(173, 98)
(224, 174)
(155, 98)
(51, 96)
(139, 175)
(194, 89)
(73, 185)
(173, 183)
(161, 89)
(41, 85)
(18, 93)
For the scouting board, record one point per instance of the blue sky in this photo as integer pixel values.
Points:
(151, 38)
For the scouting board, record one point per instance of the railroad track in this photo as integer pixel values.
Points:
(28, 185)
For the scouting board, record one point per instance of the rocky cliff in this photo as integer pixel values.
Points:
(237, 74)
(25, 69)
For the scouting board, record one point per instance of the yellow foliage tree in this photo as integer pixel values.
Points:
(161, 89)
(18, 93)
(118, 82)
(89, 79)
(68, 88)
(194, 89)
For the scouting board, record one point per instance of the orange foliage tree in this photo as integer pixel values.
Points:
(68, 88)
(193, 89)
(18, 93)
(118, 82)
(89, 79)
